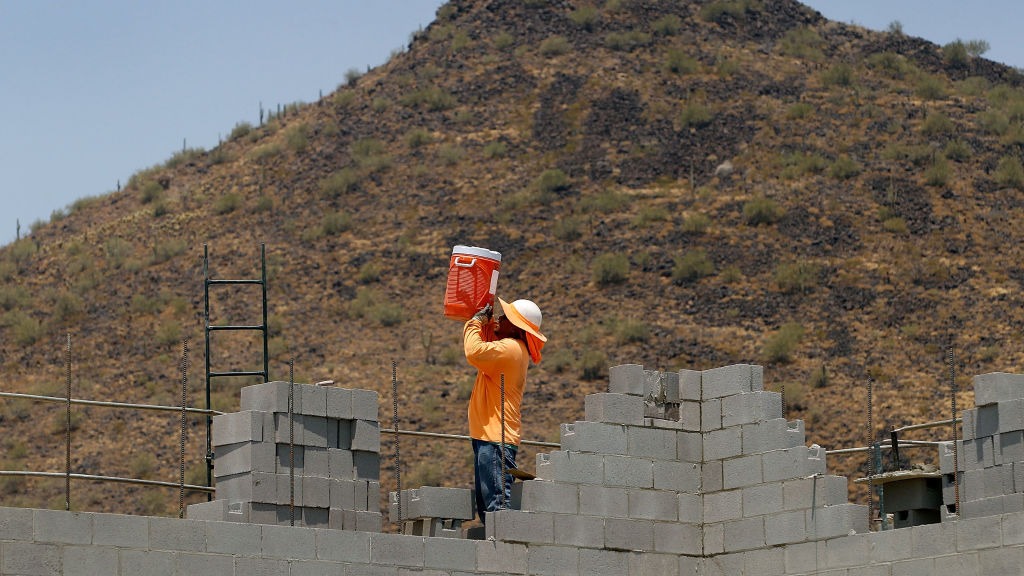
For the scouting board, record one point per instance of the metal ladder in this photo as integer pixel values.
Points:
(265, 373)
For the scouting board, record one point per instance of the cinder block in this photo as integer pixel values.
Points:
(289, 542)
(762, 499)
(397, 549)
(316, 462)
(628, 534)
(742, 471)
(677, 538)
(835, 521)
(889, 545)
(677, 476)
(119, 530)
(366, 436)
(262, 512)
(339, 403)
(726, 381)
(237, 538)
(316, 491)
(237, 427)
(847, 551)
(744, 534)
(366, 465)
(986, 420)
(314, 517)
(231, 459)
(553, 560)
(661, 387)
(340, 463)
(1010, 447)
(574, 467)
(628, 472)
(614, 408)
(1011, 415)
(774, 434)
(594, 437)
(978, 533)
(603, 562)
(314, 399)
(655, 443)
(520, 526)
(785, 528)
(289, 431)
(689, 416)
(711, 414)
(546, 496)
(217, 510)
(978, 453)
(342, 493)
(723, 506)
(724, 443)
(626, 379)
(61, 527)
(89, 561)
(997, 387)
(364, 405)
(288, 457)
(344, 431)
(501, 557)
(343, 546)
(290, 487)
(691, 447)
(805, 557)
(314, 431)
(793, 463)
(750, 407)
(689, 385)
(178, 534)
(270, 397)
(140, 562)
(772, 562)
(691, 508)
(449, 554)
(433, 502)
(653, 505)
(13, 522)
(248, 487)
(814, 492)
(711, 479)
(946, 457)
(604, 501)
(968, 428)
(581, 531)
(713, 538)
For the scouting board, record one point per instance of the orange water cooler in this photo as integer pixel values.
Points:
(472, 281)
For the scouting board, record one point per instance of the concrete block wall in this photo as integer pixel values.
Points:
(325, 459)
(990, 471)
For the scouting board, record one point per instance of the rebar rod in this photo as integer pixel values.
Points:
(109, 404)
(181, 440)
(394, 422)
(291, 439)
(922, 426)
(67, 439)
(77, 476)
(869, 436)
(504, 498)
(956, 451)
(444, 436)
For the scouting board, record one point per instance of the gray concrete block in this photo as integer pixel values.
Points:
(986, 420)
(968, 428)
(711, 477)
(177, 534)
(614, 408)
(580, 531)
(814, 492)
(397, 549)
(723, 506)
(653, 564)
(711, 414)
(314, 431)
(344, 440)
(762, 499)
(835, 521)
(342, 494)
(233, 538)
(246, 426)
(217, 511)
(147, 562)
(89, 560)
(340, 464)
(501, 557)
(573, 467)
(793, 463)
(449, 554)
(361, 495)
(767, 562)
(1011, 415)
(261, 567)
(945, 450)
(691, 508)
(677, 538)
(750, 408)
(655, 443)
(690, 447)
(248, 487)
(339, 403)
(677, 476)
(628, 534)
(435, 502)
(287, 431)
(604, 501)
(553, 560)
(270, 397)
(628, 472)
(364, 405)
(653, 505)
(731, 564)
(364, 521)
(888, 545)
(288, 457)
(744, 534)
(724, 443)
(1001, 560)
(366, 436)
(366, 465)
(626, 379)
(1013, 529)
(316, 462)
(689, 385)
(119, 530)
(593, 437)
(316, 491)
(13, 523)
(713, 538)
(997, 387)
(785, 528)
(520, 526)
(196, 563)
(547, 496)
(343, 546)
(847, 551)
(727, 380)
(741, 472)
(689, 416)
(288, 542)
(288, 488)
(262, 512)
(61, 527)
(978, 533)
(314, 399)
(981, 507)
(603, 562)
(978, 453)
(1009, 447)
(231, 459)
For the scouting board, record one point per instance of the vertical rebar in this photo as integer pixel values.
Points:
(394, 425)
(956, 451)
(291, 439)
(266, 327)
(784, 413)
(504, 497)
(181, 443)
(206, 321)
(67, 428)
(868, 441)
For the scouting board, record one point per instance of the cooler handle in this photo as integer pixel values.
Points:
(461, 265)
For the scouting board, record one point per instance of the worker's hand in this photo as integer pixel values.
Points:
(484, 314)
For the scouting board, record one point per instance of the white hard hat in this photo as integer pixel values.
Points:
(524, 314)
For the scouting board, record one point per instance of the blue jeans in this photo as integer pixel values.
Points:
(487, 476)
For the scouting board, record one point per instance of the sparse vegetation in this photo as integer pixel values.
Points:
(496, 149)
(607, 201)
(796, 277)
(762, 210)
(418, 137)
(554, 46)
(844, 168)
(840, 74)
(695, 116)
(585, 17)
(722, 11)
(692, 266)
(568, 229)
(696, 224)
(802, 43)
(551, 181)
(779, 346)
(340, 183)
(930, 87)
(430, 98)
(609, 269)
(679, 62)
(227, 203)
(669, 25)
(627, 41)
(593, 365)
(1010, 173)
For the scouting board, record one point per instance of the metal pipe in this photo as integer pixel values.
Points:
(935, 424)
(109, 404)
(67, 439)
(206, 321)
(77, 476)
(463, 437)
(903, 443)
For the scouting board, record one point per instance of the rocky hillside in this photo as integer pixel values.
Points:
(677, 184)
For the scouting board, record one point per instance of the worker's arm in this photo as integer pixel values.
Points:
(480, 353)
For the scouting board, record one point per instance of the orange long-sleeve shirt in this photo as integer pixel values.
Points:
(492, 358)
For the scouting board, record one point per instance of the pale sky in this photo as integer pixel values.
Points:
(92, 92)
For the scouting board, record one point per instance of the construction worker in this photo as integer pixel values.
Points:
(496, 349)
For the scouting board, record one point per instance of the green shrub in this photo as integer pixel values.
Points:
(241, 130)
(649, 214)
(496, 149)
(696, 224)
(380, 104)
(630, 331)
(503, 41)
(554, 46)
(930, 87)
(593, 365)
(797, 164)
(341, 182)
(227, 203)
(335, 223)
(779, 347)
(731, 275)
(185, 156)
(679, 62)
(13, 297)
(722, 11)
(297, 137)
(844, 168)
(695, 116)
(838, 75)
(168, 334)
(891, 64)
(568, 229)
(151, 191)
(558, 361)
(264, 204)
(610, 268)
(669, 25)
(761, 211)
(955, 53)
(626, 41)
(993, 122)
(692, 266)
(895, 225)
(431, 98)
(344, 98)
(25, 330)
(388, 314)
(67, 306)
(606, 201)
(266, 151)
(1010, 173)
(451, 154)
(552, 181)
(936, 124)
(418, 137)
(369, 273)
(585, 17)
(168, 249)
(794, 277)
(939, 172)
(799, 110)
(803, 43)
(957, 151)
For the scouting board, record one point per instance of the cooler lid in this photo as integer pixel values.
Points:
(477, 251)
